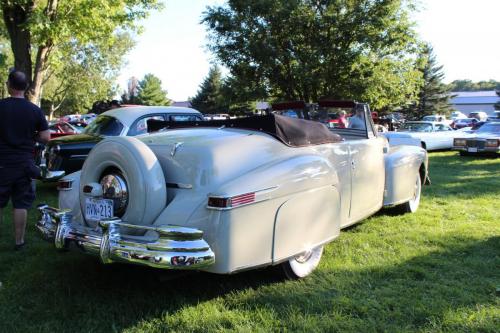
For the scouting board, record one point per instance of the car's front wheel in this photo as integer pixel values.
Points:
(303, 264)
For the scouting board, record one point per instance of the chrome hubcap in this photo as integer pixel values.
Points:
(114, 187)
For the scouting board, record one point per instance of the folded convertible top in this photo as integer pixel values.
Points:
(291, 131)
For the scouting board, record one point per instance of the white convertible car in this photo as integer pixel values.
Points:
(432, 135)
(232, 195)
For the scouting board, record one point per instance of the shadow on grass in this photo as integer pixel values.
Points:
(72, 292)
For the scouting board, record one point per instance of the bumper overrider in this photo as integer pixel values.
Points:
(170, 247)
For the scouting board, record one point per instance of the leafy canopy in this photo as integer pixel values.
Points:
(303, 49)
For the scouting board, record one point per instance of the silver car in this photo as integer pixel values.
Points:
(231, 195)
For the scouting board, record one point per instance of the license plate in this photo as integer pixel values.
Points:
(98, 209)
(472, 150)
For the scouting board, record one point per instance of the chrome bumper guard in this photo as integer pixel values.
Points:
(175, 247)
(50, 176)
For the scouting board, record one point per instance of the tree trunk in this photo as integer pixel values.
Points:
(15, 17)
(42, 56)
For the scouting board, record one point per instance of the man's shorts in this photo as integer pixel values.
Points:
(16, 184)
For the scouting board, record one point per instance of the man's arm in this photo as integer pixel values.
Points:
(43, 136)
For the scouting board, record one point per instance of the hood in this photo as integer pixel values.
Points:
(75, 139)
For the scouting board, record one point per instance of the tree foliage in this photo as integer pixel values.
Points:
(306, 49)
(469, 85)
(47, 25)
(150, 92)
(81, 74)
(209, 98)
(434, 95)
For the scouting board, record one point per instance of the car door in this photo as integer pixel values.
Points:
(367, 177)
(444, 136)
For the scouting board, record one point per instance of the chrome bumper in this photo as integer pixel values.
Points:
(51, 176)
(169, 247)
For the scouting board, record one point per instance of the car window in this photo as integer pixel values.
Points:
(140, 126)
(441, 128)
(184, 117)
(417, 127)
(104, 125)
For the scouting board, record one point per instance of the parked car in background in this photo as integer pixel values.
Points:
(484, 140)
(479, 115)
(464, 122)
(438, 118)
(457, 115)
(232, 195)
(67, 154)
(495, 116)
(61, 128)
(432, 135)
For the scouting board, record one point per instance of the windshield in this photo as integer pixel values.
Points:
(104, 125)
(489, 128)
(417, 127)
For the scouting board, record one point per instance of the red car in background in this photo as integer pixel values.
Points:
(61, 128)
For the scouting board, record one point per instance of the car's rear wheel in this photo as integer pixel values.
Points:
(303, 264)
(411, 205)
(129, 173)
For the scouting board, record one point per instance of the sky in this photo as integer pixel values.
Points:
(463, 33)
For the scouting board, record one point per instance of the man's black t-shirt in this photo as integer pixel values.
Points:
(20, 120)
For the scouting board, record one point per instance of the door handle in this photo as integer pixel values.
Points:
(353, 165)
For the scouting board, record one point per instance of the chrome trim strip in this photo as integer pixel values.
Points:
(173, 247)
(48, 175)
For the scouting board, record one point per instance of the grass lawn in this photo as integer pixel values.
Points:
(436, 270)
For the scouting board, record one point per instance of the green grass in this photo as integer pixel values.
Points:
(436, 270)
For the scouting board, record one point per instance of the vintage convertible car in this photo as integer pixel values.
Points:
(485, 140)
(230, 195)
(66, 154)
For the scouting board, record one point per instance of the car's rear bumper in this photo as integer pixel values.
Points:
(51, 175)
(477, 150)
(168, 247)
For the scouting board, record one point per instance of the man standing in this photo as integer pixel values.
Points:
(21, 124)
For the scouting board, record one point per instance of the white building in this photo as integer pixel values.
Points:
(468, 101)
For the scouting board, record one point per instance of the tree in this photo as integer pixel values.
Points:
(434, 95)
(468, 85)
(209, 98)
(95, 67)
(45, 25)
(306, 50)
(150, 91)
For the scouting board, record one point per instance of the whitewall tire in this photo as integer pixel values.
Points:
(143, 175)
(303, 264)
(411, 205)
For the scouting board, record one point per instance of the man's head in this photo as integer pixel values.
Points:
(17, 82)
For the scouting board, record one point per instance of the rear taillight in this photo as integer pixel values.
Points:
(221, 203)
(64, 185)
(491, 143)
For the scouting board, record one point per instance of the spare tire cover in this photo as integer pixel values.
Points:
(142, 171)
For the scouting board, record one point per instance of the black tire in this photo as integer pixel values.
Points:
(303, 264)
(464, 153)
